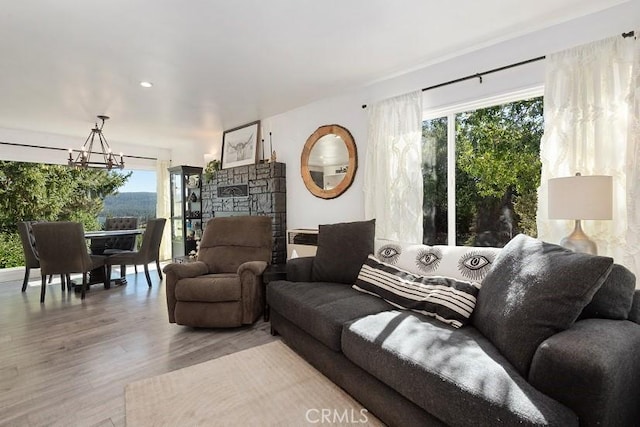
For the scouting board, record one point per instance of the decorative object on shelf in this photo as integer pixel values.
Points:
(240, 145)
(329, 148)
(262, 159)
(581, 197)
(193, 197)
(193, 181)
(83, 159)
(273, 156)
(211, 170)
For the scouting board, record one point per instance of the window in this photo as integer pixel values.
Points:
(137, 197)
(481, 170)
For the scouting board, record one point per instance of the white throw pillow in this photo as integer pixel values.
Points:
(466, 263)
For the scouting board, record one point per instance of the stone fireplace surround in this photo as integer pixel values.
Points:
(259, 189)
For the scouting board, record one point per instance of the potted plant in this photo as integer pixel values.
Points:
(211, 169)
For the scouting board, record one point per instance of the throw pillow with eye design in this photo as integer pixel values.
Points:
(459, 262)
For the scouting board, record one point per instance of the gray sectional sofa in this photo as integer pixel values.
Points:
(542, 349)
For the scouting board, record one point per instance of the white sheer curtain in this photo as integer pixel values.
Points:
(162, 206)
(393, 168)
(591, 127)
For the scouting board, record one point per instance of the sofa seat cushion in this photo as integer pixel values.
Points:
(209, 288)
(320, 308)
(455, 374)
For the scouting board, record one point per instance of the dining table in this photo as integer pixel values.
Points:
(97, 245)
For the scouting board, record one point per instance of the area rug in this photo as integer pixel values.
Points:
(267, 385)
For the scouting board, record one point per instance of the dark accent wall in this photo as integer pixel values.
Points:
(267, 195)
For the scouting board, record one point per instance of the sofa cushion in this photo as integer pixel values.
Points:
(449, 300)
(320, 308)
(614, 298)
(534, 290)
(455, 374)
(466, 263)
(209, 288)
(342, 249)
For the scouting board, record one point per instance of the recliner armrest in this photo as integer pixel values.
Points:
(299, 269)
(255, 267)
(593, 368)
(191, 269)
(250, 274)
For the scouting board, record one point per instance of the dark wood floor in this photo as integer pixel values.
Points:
(67, 362)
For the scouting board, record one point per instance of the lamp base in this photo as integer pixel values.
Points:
(578, 241)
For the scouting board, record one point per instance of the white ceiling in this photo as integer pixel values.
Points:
(217, 64)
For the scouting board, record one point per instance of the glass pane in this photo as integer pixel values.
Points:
(434, 172)
(136, 198)
(497, 172)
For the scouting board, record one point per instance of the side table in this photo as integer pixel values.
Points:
(272, 273)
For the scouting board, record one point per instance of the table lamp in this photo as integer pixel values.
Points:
(581, 197)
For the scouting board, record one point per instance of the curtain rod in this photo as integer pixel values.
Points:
(43, 147)
(484, 73)
(495, 70)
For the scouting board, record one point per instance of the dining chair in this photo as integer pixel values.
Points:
(31, 259)
(149, 251)
(62, 249)
(114, 245)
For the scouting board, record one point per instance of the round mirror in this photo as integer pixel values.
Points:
(329, 161)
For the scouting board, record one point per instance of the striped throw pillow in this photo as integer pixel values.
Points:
(449, 300)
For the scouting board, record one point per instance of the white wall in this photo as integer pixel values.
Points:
(291, 129)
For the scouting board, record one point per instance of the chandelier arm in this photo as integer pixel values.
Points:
(106, 151)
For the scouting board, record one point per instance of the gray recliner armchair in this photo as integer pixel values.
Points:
(223, 288)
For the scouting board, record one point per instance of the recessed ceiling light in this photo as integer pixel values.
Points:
(146, 84)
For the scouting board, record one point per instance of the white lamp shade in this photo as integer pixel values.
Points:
(581, 197)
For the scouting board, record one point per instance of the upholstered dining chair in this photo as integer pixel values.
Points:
(114, 245)
(126, 243)
(149, 251)
(223, 287)
(62, 249)
(31, 259)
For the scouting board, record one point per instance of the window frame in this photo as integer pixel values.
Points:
(450, 113)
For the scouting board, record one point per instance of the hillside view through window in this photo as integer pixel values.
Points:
(137, 197)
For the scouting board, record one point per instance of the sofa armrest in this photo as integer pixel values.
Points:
(191, 269)
(634, 313)
(299, 269)
(593, 368)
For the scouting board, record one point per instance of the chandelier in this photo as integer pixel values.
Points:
(106, 158)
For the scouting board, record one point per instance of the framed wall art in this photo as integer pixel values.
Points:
(240, 145)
